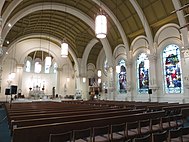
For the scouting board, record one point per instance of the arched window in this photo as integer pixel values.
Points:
(172, 69)
(142, 73)
(121, 75)
(28, 66)
(37, 67)
(47, 68)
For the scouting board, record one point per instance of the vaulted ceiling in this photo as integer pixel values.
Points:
(61, 24)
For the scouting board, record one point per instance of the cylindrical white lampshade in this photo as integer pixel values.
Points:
(99, 73)
(99, 80)
(48, 61)
(101, 26)
(84, 79)
(118, 69)
(64, 49)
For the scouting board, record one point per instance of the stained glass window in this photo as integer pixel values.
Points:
(143, 73)
(28, 66)
(121, 75)
(172, 69)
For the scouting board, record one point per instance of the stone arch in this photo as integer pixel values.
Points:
(59, 7)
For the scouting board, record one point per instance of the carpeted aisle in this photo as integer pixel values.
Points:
(4, 130)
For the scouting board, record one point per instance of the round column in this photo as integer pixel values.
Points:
(58, 80)
(153, 78)
(20, 69)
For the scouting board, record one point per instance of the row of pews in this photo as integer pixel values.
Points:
(92, 120)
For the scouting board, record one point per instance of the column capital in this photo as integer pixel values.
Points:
(185, 52)
(59, 69)
(152, 57)
(19, 65)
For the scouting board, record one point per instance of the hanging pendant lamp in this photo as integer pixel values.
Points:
(101, 26)
(64, 49)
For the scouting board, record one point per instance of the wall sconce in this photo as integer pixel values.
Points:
(118, 69)
(84, 79)
(68, 79)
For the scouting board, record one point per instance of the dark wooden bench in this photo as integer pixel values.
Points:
(45, 115)
(40, 133)
(67, 118)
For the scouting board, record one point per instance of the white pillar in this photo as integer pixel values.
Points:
(1, 40)
(129, 81)
(153, 77)
(185, 77)
(111, 84)
(20, 69)
(1, 21)
(58, 78)
(84, 87)
(78, 83)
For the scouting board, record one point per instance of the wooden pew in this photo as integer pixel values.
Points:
(33, 116)
(175, 109)
(40, 133)
(67, 118)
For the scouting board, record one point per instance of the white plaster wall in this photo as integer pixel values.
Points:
(49, 81)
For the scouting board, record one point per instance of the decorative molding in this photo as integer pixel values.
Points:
(152, 57)
(185, 53)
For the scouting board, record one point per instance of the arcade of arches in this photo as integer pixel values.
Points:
(144, 56)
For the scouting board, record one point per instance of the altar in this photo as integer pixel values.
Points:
(36, 93)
